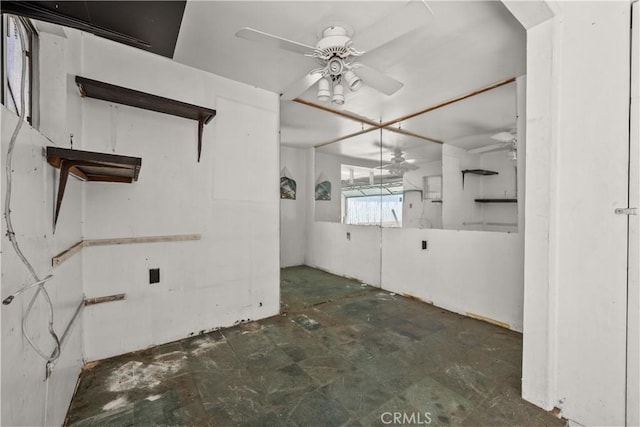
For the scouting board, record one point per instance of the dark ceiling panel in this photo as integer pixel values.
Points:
(149, 25)
(156, 22)
(76, 9)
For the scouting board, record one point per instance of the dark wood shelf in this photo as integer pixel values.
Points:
(479, 172)
(122, 95)
(91, 166)
(482, 172)
(496, 200)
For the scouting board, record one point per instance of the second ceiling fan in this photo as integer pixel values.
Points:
(336, 50)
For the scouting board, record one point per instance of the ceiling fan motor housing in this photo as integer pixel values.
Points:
(335, 42)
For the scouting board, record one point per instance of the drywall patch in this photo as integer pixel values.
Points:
(136, 374)
(204, 345)
(384, 296)
(252, 328)
(118, 403)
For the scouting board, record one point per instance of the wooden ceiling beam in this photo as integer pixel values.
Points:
(389, 125)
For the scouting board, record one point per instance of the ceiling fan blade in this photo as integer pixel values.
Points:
(500, 146)
(273, 41)
(383, 145)
(300, 86)
(379, 81)
(504, 136)
(411, 16)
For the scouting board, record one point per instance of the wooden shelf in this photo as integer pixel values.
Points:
(91, 166)
(482, 172)
(496, 200)
(121, 95)
(479, 172)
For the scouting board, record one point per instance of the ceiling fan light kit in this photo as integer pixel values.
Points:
(338, 94)
(353, 80)
(399, 165)
(324, 91)
(334, 51)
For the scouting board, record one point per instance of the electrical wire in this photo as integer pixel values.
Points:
(39, 283)
(10, 298)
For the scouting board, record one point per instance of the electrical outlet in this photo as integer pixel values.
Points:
(348, 235)
(425, 245)
(154, 275)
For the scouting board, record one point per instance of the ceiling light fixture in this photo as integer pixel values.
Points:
(396, 170)
(334, 72)
(338, 94)
(353, 80)
(333, 51)
(324, 93)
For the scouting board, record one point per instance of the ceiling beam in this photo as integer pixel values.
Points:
(342, 138)
(365, 121)
(338, 112)
(449, 102)
(388, 125)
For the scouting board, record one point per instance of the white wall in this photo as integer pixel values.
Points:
(575, 265)
(327, 246)
(418, 213)
(327, 167)
(358, 257)
(633, 312)
(458, 206)
(466, 272)
(231, 198)
(34, 187)
(499, 186)
(293, 212)
(463, 271)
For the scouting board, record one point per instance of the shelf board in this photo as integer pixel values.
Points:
(125, 96)
(482, 172)
(496, 200)
(479, 172)
(91, 166)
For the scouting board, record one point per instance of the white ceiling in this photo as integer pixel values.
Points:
(460, 47)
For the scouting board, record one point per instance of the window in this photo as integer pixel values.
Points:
(371, 196)
(385, 210)
(12, 64)
(432, 186)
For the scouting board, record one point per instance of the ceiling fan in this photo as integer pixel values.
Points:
(507, 141)
(336, 50)
(398, 164)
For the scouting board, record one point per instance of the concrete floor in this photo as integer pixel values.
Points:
(343, 354)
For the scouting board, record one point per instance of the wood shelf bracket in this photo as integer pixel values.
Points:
(134, 98)
(90, 166)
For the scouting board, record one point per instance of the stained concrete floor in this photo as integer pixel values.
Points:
(344, 354)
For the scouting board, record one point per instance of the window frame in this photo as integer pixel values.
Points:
(32, 65)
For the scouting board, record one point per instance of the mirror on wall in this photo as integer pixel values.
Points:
(382, 178)
(455, 167)
(482, 158)
(351, 169)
